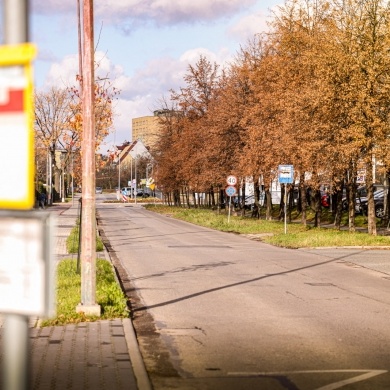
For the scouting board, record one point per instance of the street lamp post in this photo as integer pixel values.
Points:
(88, 303)
(135, 187)
(131, 178)
(119, 171)
(149, 165)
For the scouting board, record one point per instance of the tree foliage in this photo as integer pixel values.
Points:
(313, 92)
(58, 123)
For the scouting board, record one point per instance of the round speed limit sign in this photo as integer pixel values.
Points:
(231, 180)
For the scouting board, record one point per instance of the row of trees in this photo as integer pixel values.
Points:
(313, 92)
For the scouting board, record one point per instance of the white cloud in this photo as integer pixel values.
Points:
(140, 93)
(159, 12)
(248, 26)
(63, 74)
(192, 56)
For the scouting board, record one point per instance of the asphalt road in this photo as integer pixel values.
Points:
(215, 310)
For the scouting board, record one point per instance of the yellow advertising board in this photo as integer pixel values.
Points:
(17, 127)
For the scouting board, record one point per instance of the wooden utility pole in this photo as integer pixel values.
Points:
(88, 217)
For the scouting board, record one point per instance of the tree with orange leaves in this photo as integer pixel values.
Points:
(58, 124)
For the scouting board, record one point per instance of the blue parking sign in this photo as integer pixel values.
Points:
(286, 174)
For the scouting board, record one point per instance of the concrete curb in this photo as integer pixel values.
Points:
(137, 362)
(141, 375)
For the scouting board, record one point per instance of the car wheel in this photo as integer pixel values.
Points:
(379, 211)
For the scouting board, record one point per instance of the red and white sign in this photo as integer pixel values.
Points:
(15, 142)
(231, 180)
(11, 100)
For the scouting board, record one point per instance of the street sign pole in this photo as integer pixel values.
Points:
(230, 191)
(16, 348)
(286, 176)
(230, 205)
(285, 210)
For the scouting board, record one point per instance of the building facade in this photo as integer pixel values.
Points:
(147, 128)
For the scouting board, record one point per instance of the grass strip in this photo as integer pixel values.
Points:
(72, 242)
(109, 295)
(273, 232)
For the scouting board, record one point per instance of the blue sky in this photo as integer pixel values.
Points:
(145, 46)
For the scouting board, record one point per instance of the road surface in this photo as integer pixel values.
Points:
(216, 310)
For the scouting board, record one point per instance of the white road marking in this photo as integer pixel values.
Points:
(336, 385)
(359, 378)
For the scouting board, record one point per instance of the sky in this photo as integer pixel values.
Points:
(143, 46)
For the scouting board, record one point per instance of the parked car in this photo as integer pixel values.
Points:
(361, 193)
(99, 190)
(248, 203)
(142, 194)
(362, 204)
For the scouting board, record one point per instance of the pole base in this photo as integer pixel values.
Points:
(89, 310)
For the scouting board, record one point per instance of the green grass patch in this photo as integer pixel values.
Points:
(298, 236)
(72, 242)
(326, 237)
(109, 295)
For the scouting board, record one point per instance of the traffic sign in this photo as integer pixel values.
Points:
(231, 180)
(231, 191)
(149, 182)
(26, 263)
(286, 174)
(16, 124)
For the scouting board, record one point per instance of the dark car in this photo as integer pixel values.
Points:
(142, 194)
(361, 193)
(248, 203)
(362, 204)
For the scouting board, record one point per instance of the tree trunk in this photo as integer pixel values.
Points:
(338, 200)
(351, 197)
(370, 199)
(257, 196)
(268, 201)
(302, 199)
(176, 198)
(317, 208)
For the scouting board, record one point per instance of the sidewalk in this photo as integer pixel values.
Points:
(92, 355)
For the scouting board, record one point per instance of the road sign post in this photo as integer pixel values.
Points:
(17, 178)
(230, 191)
(286, 176)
